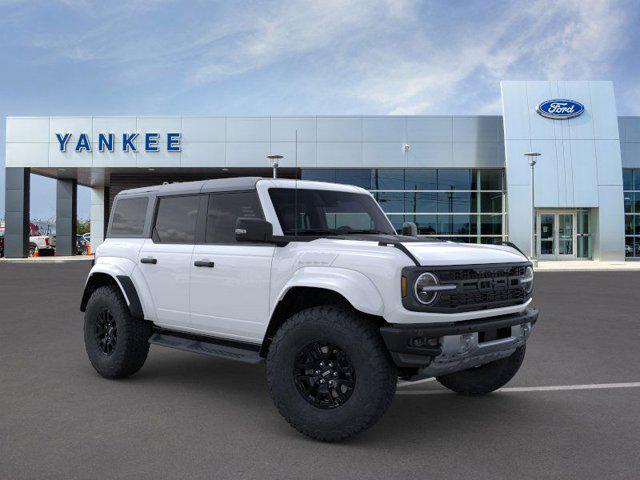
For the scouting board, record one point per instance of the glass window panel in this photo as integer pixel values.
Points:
(628, 202)
(491, 240)
(636, 203)
(461, 239)
(425, 202)
(627, 178)
(427, 224)
(129, 215)
(224, 210)
(629, 247)
(459, 202)
(423, 179)
(636, 220)
(319, 174)
(491, 179)
(629, 224)
(392, 202)
(387, 179)
(176, 220)
(491, 224)
(636, 179)
(457, 224)
(360, 177)
(397, 221)
(491, 202)
(454, 179)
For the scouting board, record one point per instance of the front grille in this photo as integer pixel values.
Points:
(478, 287)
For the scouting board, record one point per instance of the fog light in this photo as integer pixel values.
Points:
(423, 342)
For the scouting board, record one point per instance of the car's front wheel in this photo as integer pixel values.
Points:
(117, 343)
(485, 378)
(329, 373)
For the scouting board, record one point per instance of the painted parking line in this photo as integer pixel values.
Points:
(549, 388)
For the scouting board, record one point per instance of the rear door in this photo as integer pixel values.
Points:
(229, 280)
(165, 259)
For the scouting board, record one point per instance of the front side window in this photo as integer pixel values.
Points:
(176, 219)
(128, 217)
(326, 212)
(223, 212)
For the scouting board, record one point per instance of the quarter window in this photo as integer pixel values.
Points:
(176, 219)
(223, 212)
(128, 217)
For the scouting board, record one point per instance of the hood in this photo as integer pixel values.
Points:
(449, 253)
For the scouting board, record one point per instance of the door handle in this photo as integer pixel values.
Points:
(203, 263)
(149, 260)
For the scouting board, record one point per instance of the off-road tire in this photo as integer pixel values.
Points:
(375, 374)
(132, 343)
(486, 378)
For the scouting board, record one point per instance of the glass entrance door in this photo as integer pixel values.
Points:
(556, 234)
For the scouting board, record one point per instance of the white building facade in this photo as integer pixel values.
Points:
(459, 178)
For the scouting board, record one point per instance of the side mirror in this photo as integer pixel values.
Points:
(253, 230)
(409, 229)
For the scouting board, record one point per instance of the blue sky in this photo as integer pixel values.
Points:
(77, 57)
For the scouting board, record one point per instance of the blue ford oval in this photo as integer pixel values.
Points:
(560, 109)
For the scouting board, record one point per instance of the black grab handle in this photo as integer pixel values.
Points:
(149, 260)
(203, 263)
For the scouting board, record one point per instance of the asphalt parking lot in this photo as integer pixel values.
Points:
(189, 416)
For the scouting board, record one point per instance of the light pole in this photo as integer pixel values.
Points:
(274, 163)
(531, 156)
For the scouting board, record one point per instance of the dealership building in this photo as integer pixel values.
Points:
(459, 178)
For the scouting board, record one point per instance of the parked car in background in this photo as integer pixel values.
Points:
(1, 242)
(81, 245)
(45, 243)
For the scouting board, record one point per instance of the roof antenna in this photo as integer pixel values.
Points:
(295, 192)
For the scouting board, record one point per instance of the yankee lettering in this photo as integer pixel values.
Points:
(107, 142)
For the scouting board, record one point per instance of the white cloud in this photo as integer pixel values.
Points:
(391, 56)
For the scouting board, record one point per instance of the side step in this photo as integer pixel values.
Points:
(243, 352)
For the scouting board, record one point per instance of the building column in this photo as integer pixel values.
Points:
(97, 217)
(66, 216)
(17, 189)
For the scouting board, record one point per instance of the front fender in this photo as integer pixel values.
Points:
(361, 293)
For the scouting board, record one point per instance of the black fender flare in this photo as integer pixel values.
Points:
(124, 284)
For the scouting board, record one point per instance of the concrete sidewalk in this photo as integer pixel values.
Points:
(52, 259)
(585, 266)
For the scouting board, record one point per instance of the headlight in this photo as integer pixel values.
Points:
(425, 288)
(527, 280)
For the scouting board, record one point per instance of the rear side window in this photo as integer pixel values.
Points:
(224, 209)
(128, 217)
(176, 219)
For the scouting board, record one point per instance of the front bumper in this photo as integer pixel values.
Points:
(442, 348)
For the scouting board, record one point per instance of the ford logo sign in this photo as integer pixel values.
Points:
(560, 109)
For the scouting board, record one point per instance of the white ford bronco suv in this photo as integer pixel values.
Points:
(312, 279)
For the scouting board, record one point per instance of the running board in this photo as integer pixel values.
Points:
(213, 347)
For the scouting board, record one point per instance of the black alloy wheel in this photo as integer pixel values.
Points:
(324, 375)
(106, 332)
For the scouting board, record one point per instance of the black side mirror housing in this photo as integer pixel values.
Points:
(254, 230)
(409, 229)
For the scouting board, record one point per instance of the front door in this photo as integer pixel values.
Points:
(230, 280)
(556, 235)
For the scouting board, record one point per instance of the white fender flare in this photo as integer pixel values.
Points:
(357, 288)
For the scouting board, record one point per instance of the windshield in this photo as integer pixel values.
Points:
(327, 212)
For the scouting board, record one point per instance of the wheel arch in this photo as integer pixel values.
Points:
(301, 297)
(122, 283)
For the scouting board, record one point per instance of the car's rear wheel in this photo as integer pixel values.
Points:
(329, 373)
(485, 378)
(117, 344)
